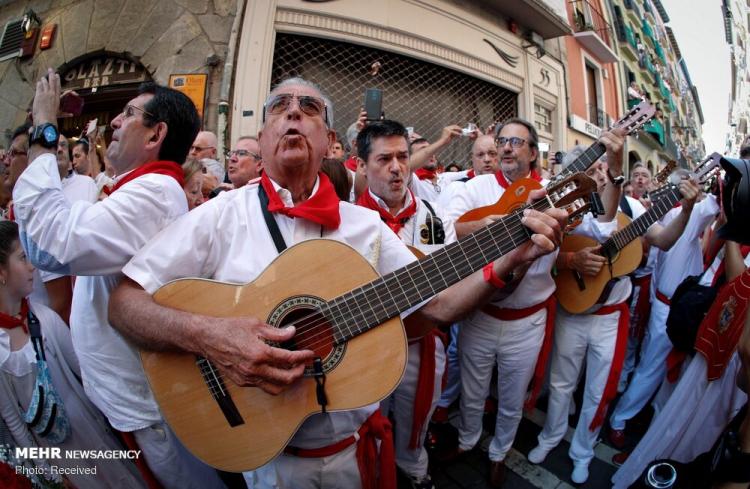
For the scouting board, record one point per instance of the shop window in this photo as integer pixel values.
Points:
(422, 95)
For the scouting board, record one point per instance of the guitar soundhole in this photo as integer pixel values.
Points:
(314, 331)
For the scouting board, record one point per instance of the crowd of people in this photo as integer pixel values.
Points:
(91, 231)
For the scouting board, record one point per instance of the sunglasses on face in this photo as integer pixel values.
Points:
(312, 106)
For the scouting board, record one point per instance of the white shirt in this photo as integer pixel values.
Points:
(708, 276)
(415, 231)
(425, 189)
(94, 241)
(685, 258)
(75, 187)
(227, 239)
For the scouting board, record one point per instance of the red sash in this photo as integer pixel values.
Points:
(376, 427)
(169, 168)
(541, 363)
(425, 385)
(722, 327)
(663, 298)
(615, 368)
(393, 222)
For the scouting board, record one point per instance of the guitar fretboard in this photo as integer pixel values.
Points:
(659, 208)
(583, 162)
(372, 304)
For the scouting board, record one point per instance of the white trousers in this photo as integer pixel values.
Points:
(338, 471)
(515, 346)
(453, 372)
(170, 461)
(651, 368)
(577, 337)
(401, 404)
(690, 422)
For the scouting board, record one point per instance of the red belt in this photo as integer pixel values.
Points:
(663, 298)
(425, 385)
(376, 427)
(541, 362)
(615, 368)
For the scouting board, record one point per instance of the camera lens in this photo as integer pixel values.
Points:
(661, 476)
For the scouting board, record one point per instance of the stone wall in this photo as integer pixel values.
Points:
(167, 36)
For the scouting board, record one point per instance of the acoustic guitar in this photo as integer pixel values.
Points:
(342, 310)
(517, 193)
(577, 292)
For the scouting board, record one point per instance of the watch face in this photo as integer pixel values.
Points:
(50, 134)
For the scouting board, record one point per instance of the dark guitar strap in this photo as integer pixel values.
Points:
(318, 374)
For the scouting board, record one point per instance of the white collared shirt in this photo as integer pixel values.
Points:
(227, 239)
(94, 241)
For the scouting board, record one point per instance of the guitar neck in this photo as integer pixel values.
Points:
(583, 162)
(372, 304)
(639, 226)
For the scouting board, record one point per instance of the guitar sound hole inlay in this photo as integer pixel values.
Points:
(314, 330)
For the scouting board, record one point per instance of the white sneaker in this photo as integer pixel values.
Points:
(580, 473)
(537, 455)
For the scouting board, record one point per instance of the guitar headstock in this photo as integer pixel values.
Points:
(704, 174)
(636, 117)
(574, 194)
(661, 177)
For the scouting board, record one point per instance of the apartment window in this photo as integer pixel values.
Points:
(542, 118)
(593, 107)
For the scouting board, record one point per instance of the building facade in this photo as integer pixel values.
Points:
(736, 24)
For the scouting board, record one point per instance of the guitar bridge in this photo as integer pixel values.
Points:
(219, 392)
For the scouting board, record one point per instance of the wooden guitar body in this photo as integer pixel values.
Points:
(304, 275)
(577, 292)
(516, 195)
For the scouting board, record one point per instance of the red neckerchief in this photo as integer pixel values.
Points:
(322, 208)
(169, 168)
(351, 163)
(470, 174)
(425, 174)
(11, 322)
(393, 222)
(505, 184)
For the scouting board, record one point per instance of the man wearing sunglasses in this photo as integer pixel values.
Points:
(94, 241)
(243, 162)
(229, 239)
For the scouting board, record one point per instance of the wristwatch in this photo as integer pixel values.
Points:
(45, 136)
(615, 180)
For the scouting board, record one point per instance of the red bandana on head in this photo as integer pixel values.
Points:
(322, 208)
(393, 222)
(11, 322)
(505, 184)
(425, 174)
(169, 168)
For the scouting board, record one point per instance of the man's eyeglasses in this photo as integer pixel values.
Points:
(200, 148)
(129, 111)
(14, 152)
(514, 141)
(312, 106)
(242, 153)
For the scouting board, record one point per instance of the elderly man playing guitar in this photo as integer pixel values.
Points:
(294, 202)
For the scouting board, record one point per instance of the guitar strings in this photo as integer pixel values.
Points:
(483, 237)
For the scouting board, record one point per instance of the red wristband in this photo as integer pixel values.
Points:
(491, 277)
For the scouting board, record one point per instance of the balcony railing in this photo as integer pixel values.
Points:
(656, 129)
(592, 30)
(648, 31)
